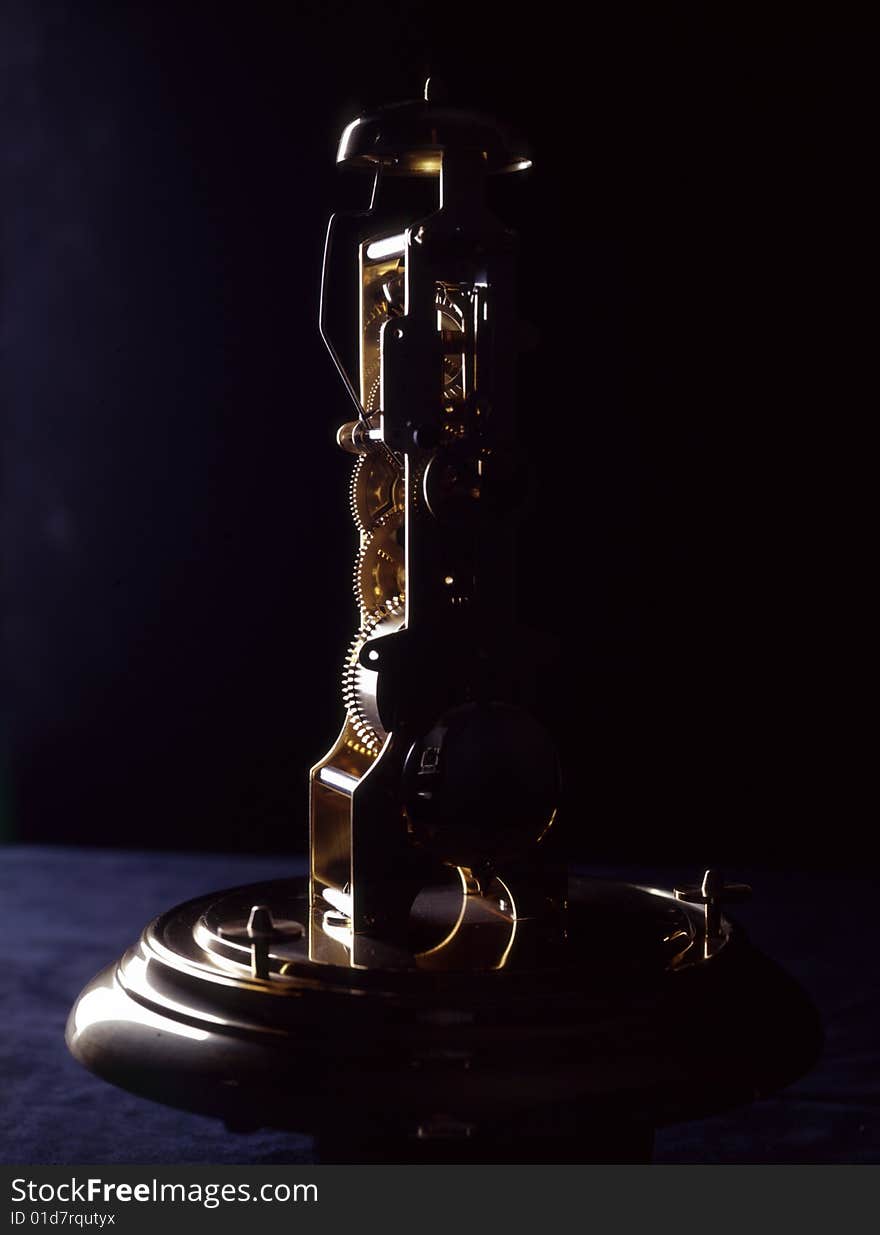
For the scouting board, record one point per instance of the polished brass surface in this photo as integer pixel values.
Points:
(411, 139)
(478, 1020)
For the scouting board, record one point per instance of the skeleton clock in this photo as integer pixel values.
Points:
(441, 987)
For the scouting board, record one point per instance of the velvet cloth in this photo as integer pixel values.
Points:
(65, 913)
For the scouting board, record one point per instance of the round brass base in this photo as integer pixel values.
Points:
(628, 1019)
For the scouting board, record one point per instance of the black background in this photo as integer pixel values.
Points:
(177, 539)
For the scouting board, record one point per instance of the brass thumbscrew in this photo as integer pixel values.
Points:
(712, 893)
(260, 930)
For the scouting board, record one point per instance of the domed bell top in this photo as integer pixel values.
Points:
(408, 139)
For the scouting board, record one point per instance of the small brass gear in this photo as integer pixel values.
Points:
(376, 490)
(359, 685)
(380, 569)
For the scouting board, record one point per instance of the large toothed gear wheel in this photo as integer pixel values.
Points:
(359, 685)
(380, 569)
(377, 490)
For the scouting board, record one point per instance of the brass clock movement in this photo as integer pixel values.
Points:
(441, 986)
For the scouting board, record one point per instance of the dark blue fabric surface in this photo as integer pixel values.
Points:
(65, 913)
